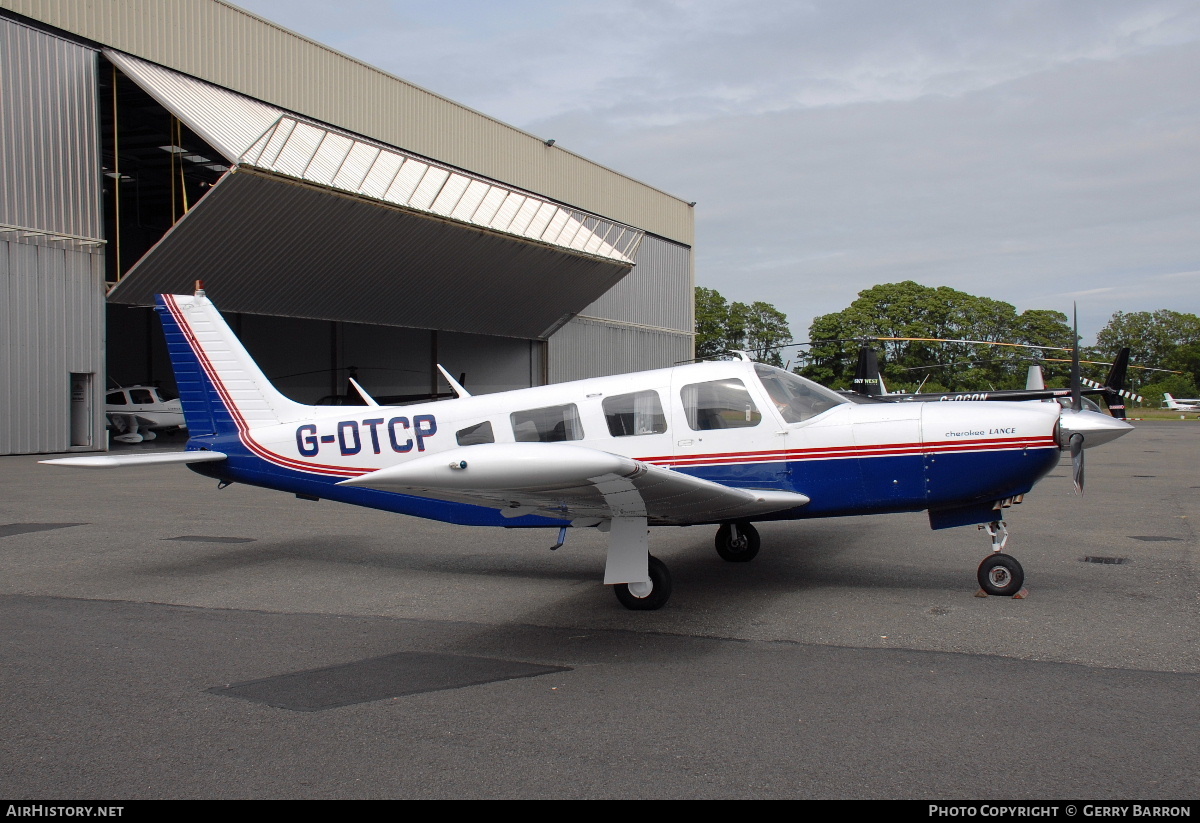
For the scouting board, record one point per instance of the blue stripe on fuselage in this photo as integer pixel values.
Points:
(899, 483)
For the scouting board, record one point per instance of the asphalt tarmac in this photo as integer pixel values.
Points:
(163, 639)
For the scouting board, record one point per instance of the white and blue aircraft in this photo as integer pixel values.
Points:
(719, 443)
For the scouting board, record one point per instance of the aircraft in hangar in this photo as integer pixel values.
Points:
(721, 443)
(136, 413)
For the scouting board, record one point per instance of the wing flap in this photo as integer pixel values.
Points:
(571, 483)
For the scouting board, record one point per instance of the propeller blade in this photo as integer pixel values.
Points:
(1077, 462)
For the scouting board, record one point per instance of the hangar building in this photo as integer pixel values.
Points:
(345, 220)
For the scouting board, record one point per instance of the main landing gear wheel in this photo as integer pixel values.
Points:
(740, 549)
(1001, 575)
(646, 597)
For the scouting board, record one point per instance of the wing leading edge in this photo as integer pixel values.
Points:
(573, 483)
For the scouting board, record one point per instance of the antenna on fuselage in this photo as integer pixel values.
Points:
(454, 384)
(368, 399)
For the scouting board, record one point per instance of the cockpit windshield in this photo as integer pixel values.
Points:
(796, 398)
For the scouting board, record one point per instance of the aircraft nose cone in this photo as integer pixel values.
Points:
(1097, 429)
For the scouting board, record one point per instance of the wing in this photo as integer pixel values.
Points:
(573, 483)
(121, 421)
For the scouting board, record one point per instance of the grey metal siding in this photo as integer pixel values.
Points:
(48, 156)
(591, 348)
(232, 48)
(658, 292)
(51, 325)
(643, 322)
(51, 284)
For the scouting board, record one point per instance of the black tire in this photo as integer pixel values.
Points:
(1001, 575)
(660, 592)
(747, 544)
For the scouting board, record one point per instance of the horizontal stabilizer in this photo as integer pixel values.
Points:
(114, 461)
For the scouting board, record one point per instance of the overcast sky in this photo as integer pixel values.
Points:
(1032, 151)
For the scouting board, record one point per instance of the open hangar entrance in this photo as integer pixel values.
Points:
(310, 360)
(333, 255)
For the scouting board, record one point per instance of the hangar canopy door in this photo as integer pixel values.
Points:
(314, 222)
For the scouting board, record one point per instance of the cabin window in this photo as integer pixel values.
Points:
(140, 397)
(719, 404)
(796, 398)
(116, 398)
(551, 424)
(475, 435)
(629, 415)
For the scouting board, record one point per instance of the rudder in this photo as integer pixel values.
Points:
(221, 388)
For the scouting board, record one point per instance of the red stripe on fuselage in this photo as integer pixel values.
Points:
(847, 452)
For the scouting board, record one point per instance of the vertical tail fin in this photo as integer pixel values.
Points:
(867, 379)
(1115, 383)
(222, 390)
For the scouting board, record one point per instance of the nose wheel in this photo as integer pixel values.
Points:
(1000, 574)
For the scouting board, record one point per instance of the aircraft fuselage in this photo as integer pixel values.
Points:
(849, 459)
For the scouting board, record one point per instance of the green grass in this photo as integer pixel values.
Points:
(1162, 414)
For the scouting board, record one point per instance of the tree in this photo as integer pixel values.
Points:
(758, 328)
(712, 322)
(1161, 339)
(911, 310)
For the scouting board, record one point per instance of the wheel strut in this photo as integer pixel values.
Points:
(998, 531)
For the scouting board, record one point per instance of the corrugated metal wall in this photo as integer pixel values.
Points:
(658, 292)
(52, 283)
(644, 322)
(232, 48)
(48, 157)
(586, 348)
